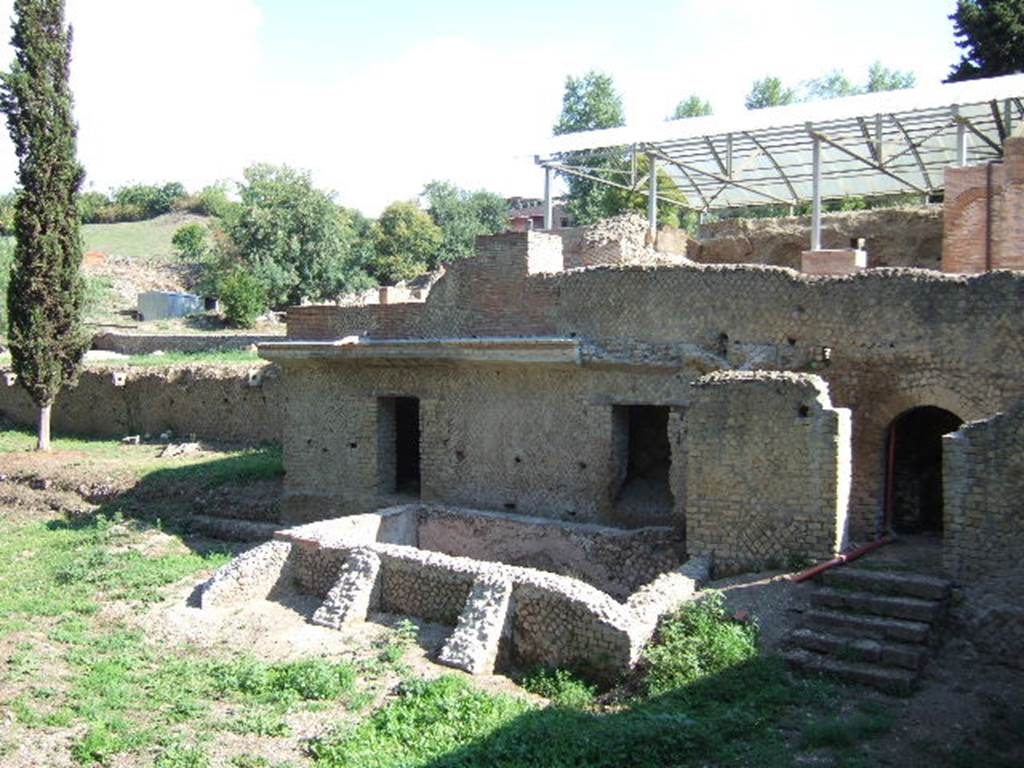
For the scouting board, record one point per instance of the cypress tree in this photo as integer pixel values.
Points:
(45, 294)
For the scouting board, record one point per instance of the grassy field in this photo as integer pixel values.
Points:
(146, 240)
(84, 682)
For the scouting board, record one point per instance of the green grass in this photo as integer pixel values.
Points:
(148, 240)
(210, 357)
(727, 719)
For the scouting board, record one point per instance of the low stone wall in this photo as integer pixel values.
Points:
(768, 470)
(983, 479)
(501, 613)
(146, 344)
(615, 560)
(235, 403)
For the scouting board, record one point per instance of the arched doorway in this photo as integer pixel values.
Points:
(913, 488)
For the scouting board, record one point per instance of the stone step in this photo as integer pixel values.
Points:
(910, 608)
(869, 626)
(856, 648)
(887, 583)
(231, 529)
(889, 679)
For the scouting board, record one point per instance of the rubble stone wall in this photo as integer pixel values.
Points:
(768, 470)
(983, 478)
(552, 619)
(229, 403)
(895, 237)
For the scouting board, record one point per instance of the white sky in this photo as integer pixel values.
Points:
(378, 99)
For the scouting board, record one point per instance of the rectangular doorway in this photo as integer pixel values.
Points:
(398, 440)
(644, 457)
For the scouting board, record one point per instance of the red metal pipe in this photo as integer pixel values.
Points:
(846, 557)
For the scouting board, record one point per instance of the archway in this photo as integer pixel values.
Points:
(913, 488)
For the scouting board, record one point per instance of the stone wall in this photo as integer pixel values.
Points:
(885, 341)
(896, 237)
(501, 613)
(615, 561)
(983, 478)
(236, 403)
(768, 470)
(984, 227)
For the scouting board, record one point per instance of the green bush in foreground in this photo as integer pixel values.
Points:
(697, 641)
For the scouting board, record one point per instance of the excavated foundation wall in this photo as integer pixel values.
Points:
(895, 237)
(370, 562)
(228, 403)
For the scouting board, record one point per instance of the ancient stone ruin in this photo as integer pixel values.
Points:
(567, 433)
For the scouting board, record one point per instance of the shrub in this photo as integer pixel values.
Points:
(243, 296)
(561, 687)
(189, 241)
(696, 641)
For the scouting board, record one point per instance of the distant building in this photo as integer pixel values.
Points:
(527, 213)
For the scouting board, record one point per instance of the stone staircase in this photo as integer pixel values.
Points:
(875, 628)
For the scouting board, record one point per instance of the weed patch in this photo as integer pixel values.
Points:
(697, 641)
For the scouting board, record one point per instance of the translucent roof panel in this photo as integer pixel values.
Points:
(874, 144)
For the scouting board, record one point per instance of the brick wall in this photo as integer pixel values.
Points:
(983, 225)
(768, 470)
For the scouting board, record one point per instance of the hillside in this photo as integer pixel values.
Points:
(125, 259)
(142, 241)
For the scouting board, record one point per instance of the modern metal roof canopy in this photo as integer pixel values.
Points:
(875, 144)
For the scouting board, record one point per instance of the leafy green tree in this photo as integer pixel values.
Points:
(991, 33)
(882, 78)
(833, 85)
(406, 242)
(769, 92)
(45, 293)
(692, 106)
(616, 201)
(149, 199)
(462, 215)
(292, 237)
(190, 241)
(589, 103)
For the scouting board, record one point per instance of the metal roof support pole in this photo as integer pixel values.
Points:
(548, 208)
(961, 139)
(652, 194)
(816, 197)
(1008, 116)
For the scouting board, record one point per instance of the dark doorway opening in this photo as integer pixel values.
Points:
(913, 492)
(399, 441)
(645, 458)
